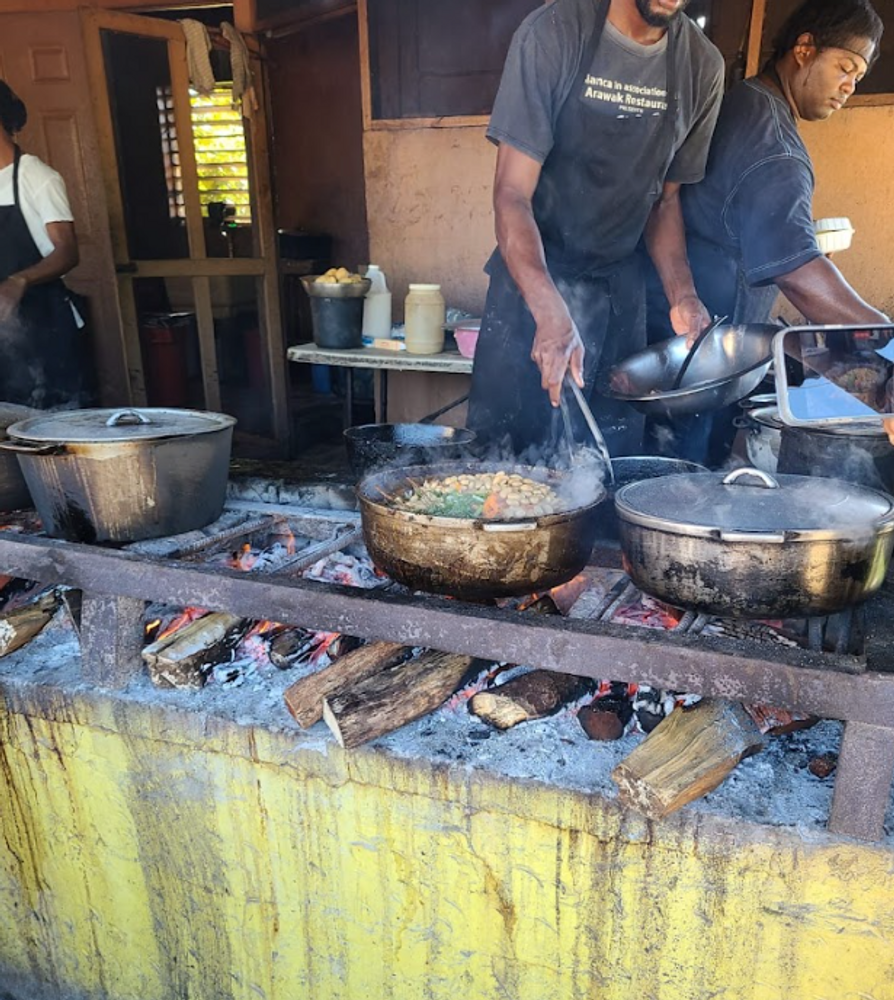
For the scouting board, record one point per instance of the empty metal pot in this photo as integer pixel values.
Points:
(379, 446)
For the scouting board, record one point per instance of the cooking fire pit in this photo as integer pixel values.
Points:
(849, 684)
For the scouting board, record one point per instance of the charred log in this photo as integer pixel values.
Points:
(394, 697)
(304, 699)
(531, 696)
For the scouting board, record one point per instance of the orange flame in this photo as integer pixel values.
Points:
(189, 615)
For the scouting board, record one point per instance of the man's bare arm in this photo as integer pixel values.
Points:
(666, 242)
(557, 344)
(821, 293)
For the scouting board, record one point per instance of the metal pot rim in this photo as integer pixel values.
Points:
(440, 469)
(134, 425)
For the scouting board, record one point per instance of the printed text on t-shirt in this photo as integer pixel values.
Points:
(624, 98)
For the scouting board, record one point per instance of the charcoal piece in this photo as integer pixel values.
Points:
(648, 720)
(290, 648)
(342, 645)
(606, 718)
(824, 765)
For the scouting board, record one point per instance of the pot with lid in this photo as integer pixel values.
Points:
(13, 488)
(859, 453)
(124, 475)
(749, 545)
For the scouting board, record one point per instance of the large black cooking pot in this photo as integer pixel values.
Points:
(858, 453)
(124, 475)
(376, 446)
(479, 559)
(753, 546)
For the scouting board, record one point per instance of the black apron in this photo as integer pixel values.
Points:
(40, 361)
(604, 290)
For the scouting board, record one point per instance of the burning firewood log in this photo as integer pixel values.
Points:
(182, 659)
(779, 721)
(22, 625)
(304, 699)
(531, 696)
(394, 697)
(688, 755)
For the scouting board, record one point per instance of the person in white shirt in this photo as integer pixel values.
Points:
(40, 350)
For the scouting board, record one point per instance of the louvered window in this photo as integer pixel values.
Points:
(221, 153)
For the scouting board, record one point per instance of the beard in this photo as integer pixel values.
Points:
(657, 19)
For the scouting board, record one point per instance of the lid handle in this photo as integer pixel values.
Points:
(127, 418)
(767, 481)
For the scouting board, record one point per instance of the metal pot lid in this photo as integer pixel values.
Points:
(100, 426)
(749, 501)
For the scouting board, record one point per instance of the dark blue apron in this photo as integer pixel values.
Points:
(40, 362)
(596, 270)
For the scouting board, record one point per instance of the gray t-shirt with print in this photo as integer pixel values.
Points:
(595, 215)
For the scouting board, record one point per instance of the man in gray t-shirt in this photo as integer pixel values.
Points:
(605, 108)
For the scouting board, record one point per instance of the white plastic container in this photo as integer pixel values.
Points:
(377, 306)
(833, 235)
(425, 314)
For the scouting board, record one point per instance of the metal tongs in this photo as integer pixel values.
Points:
(598, 439)
(699, 340)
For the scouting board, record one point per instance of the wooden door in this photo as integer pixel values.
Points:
(163, 247)
(42, 59)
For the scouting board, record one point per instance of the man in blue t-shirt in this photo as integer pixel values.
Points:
(749, 223)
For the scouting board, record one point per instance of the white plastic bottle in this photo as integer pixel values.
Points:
(377, 306)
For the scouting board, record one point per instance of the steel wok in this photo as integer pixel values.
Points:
(478, 559)
(728, 366)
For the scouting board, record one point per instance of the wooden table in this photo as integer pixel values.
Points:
(448, 362)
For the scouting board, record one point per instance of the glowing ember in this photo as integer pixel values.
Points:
(349, 570)
(184, 618)
(647, 613)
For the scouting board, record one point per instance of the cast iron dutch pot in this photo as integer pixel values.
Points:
(753, 546)
(479, 559)
(124, 475)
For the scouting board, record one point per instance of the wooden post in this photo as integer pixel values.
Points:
(112, 636)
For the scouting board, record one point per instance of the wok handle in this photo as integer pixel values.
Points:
(24, 448)
(127, 416)
(515, 526)
(767, 481)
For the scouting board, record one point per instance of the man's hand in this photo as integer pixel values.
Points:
(889, 429)
(558, 348)
(689, 317)
(11, 292)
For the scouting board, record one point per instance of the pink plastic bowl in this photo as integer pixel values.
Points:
(466, 339)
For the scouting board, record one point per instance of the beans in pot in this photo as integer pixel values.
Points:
(493, 496)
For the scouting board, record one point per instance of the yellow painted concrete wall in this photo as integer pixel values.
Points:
(149, 854)
(430, 217)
